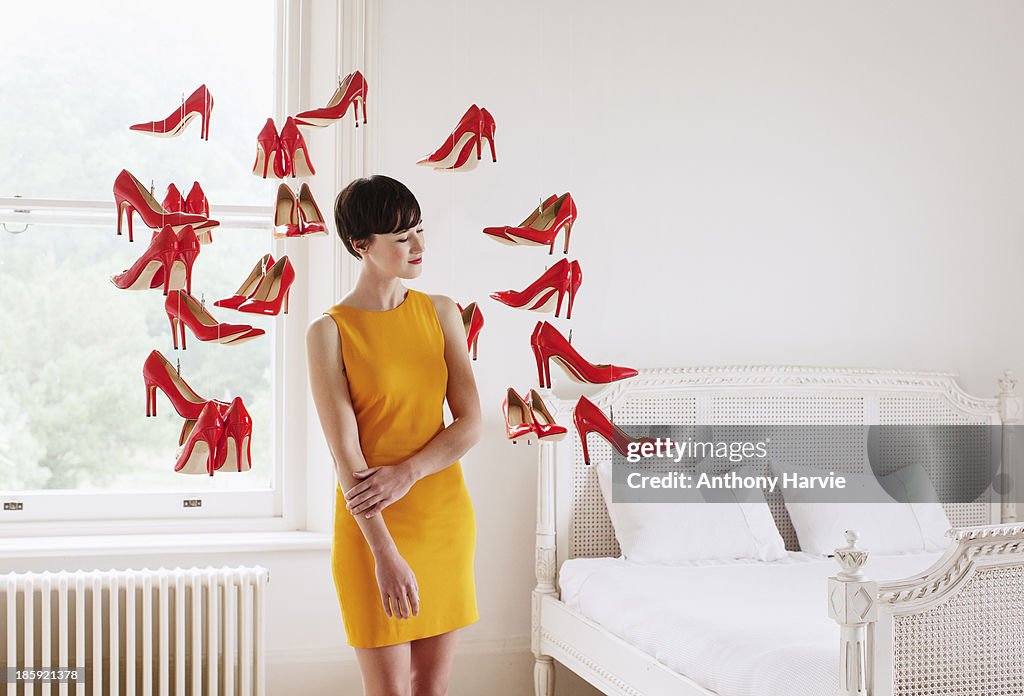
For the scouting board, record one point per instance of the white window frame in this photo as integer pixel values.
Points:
(296, 500)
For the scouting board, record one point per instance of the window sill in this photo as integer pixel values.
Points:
(142, 544)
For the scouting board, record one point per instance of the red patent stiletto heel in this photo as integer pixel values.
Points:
(296, 154)
(562, 278)
(286, 213)
(351, 91)
(498, 233)
(199, 103)
(455, 153)
(158, 257)
(196, 202)
(588, 418)
(199, 453)
(311, 220)
(467, 129)
(518, 416)
(472, 322)
(561, 214)
(269, 156)
(189, 246)
(173, 201)
(271, 292)
(131, 196)
(548, 343)
(487, 132)
(236, 443)
(183, 310)
(158, 373)
(545, 425)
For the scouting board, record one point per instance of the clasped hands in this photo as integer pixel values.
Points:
(378, 487)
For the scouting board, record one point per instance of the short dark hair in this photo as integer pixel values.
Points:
(372, 205)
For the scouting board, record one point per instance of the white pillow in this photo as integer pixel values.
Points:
(666, 533)
(883, 527)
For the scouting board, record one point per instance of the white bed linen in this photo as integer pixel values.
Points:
(738, 628)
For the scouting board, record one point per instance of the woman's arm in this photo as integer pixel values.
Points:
(463, 400)
(376, 492)
(329, 385)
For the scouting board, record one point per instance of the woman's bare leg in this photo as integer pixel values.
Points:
(386, 671)
(431, 660)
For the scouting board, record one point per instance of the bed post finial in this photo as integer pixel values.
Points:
(1007, 383)
(850, 558)
(851, 604)
(1011, 413)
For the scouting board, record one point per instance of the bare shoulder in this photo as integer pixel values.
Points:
(321, 328)
(323, 342)
(445, 307)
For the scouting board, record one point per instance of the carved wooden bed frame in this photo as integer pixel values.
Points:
(892, 634)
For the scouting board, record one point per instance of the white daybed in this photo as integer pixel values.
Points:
(954, 626)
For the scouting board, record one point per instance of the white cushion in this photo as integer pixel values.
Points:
(666, 533)
(883, 527)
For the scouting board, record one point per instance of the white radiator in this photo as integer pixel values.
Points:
(187, 632)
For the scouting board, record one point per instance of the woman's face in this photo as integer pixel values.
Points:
(399, 254)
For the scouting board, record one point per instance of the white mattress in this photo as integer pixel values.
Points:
(735, 628)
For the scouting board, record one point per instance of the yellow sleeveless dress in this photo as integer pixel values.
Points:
(398, 379)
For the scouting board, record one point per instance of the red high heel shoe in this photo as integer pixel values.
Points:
(272, 290)
(548, 343)
(561, 278)
(472, 322)
(237, 438)
(249, 286)
(296, 154)
(560, 214)
(465, 161)
(199, 453)
(588, 418)
(270, 157)
(131, 196)
(188, 249)
(199, 103)
(159, 256)
(173, 201)
(286, 213)
(311, 220)
(498, 233)
(487, 132)
(351, 90)
(196, 202)
(468, 128)
(545, 426)
(519, 418)
(183, 310)
(575, 281)
(158, 373)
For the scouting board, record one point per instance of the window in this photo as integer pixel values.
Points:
(74, 440)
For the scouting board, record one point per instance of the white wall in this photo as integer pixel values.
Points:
(789, 182)
(785, 182)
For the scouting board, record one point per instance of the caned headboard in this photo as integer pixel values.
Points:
(572, 517)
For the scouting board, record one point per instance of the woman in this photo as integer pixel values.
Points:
(381, 363)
